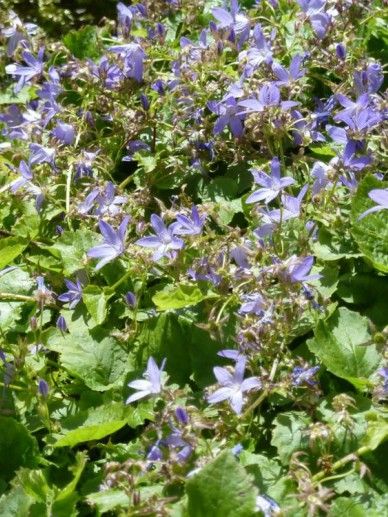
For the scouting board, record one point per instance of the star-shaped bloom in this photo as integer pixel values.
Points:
(73, 295)
(65, 133)
(152, 383)
(301, 375)
(164, 242)
(113, 245)
(298, 269)
(233, 386)
(189, 226)
(379, 196)
(33, 68)
(272, 185)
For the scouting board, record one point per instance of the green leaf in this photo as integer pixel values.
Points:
(221, 489)
(269, 475)
(17, 447)
(92, 356)
(77, 469)
(16, 281)
(108, 500)
(322, 152)
(371, 232)
(288, 435)
(15, 503)
(11, 248)
(166, 337)
(35, 484)
(342, 344)
(179, 297)
(333, 246)
(95, 300)
(22, 97)
(97, 423)
(376, 432)
(368, 291)
(83, 43)
(345, 506)
(73, 247)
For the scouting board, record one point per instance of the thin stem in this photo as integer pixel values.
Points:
(256, 403)
(11, 297)
(223, 308)
(68, 187)
(341, 463)
(113, 287)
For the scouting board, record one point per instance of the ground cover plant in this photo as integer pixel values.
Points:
(193, 258)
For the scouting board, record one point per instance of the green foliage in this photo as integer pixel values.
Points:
(221, 488)
(83, 43)
(371, 232)
(343, 344)
(17, 447)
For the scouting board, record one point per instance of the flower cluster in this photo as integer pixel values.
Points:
(197, 192)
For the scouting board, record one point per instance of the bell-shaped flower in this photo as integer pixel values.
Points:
(272, 185)
(152, 383)
(164, 242)
(113, 245)
(233, 386)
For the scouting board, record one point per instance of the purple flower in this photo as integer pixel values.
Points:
(26, 177)
(189, 226)
(103, 200)
(109, 74)
(298, 269)
(369, 80)
(61, 324)
(254, 56)
(130, 299)
(40, 154)
(17, 33)
(379, 196)
(350, 160)
(152, 383)
(227, 111)
(254, 303)
(301, 375)
(204, 272)
(314, 9)
(340, 50)
(236, 22)
(165, 243)
(155, 453)
(73, 295)
(33, 69)
(361, 121)
(43, 388)
(295, 72)
(124, 15)
(351, 107)
(64, 133)
(84, 166)
(269, 96)
(43, 293)
(272, 185)
(230, 353)
(383, 372)
(182, 416)
(113, 245)
(233, 386)
(52, 88)
(133, 59)
(319, 172)
(267, 506)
